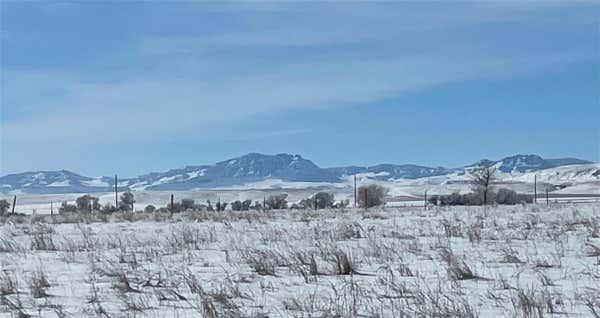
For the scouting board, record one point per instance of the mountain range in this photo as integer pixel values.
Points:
(256, 167)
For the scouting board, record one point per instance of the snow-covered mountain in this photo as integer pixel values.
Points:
(62, 181)
(528, 163)
(255, 168)
(237, 171)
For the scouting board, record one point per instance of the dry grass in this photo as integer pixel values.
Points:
(38, 285)
(383, 263)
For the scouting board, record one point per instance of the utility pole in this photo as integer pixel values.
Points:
(14, 203)
(355, 190)
(535, 188)
(172, 205)
(116, 194)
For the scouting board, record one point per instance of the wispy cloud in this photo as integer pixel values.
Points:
(274, 59)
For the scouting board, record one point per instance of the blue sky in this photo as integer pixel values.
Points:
(105, 87)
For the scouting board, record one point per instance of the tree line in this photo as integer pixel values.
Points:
(367, 196)
(483, 191)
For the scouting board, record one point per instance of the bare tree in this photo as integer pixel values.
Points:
(482, 179)
(276, 202)
(371, 195)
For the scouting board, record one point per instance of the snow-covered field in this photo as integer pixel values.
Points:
(524, 261)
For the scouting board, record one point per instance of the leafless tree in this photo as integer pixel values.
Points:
(482, 179)
(276, 202)
(371, 195)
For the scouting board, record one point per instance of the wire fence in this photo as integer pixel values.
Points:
(47, 208)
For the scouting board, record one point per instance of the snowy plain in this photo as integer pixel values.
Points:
(507, 261)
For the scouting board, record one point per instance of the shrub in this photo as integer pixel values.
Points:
(503, 196)
(371, 195)
(126, 201)
(220, 206)
(187, 204)
(257, 206)
(87, 203)
(149, 208)
(321, 200)
(342, 204)
(456, 199)
(4, 206)
(434, 199)
(507, 196)
(66, 207)
(276, 202)
(108, 208)
(241, 206)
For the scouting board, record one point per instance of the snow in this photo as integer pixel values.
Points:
(195, 174)
(96, 182)
(63, 183)
(283, 263)
(572, 173)
(38, 176)
(166, 179)
(281, 184)
(371, 174)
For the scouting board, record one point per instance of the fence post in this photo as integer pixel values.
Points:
(14, 203)
(535, 188)
(547, 197)
(425, 203)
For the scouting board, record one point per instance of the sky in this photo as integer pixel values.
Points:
(132, 87)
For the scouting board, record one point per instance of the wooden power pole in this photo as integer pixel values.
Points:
(172, 206)
(116, 194)
(14, 203)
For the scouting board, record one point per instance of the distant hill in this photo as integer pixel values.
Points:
(256, 167)
(529, 163)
